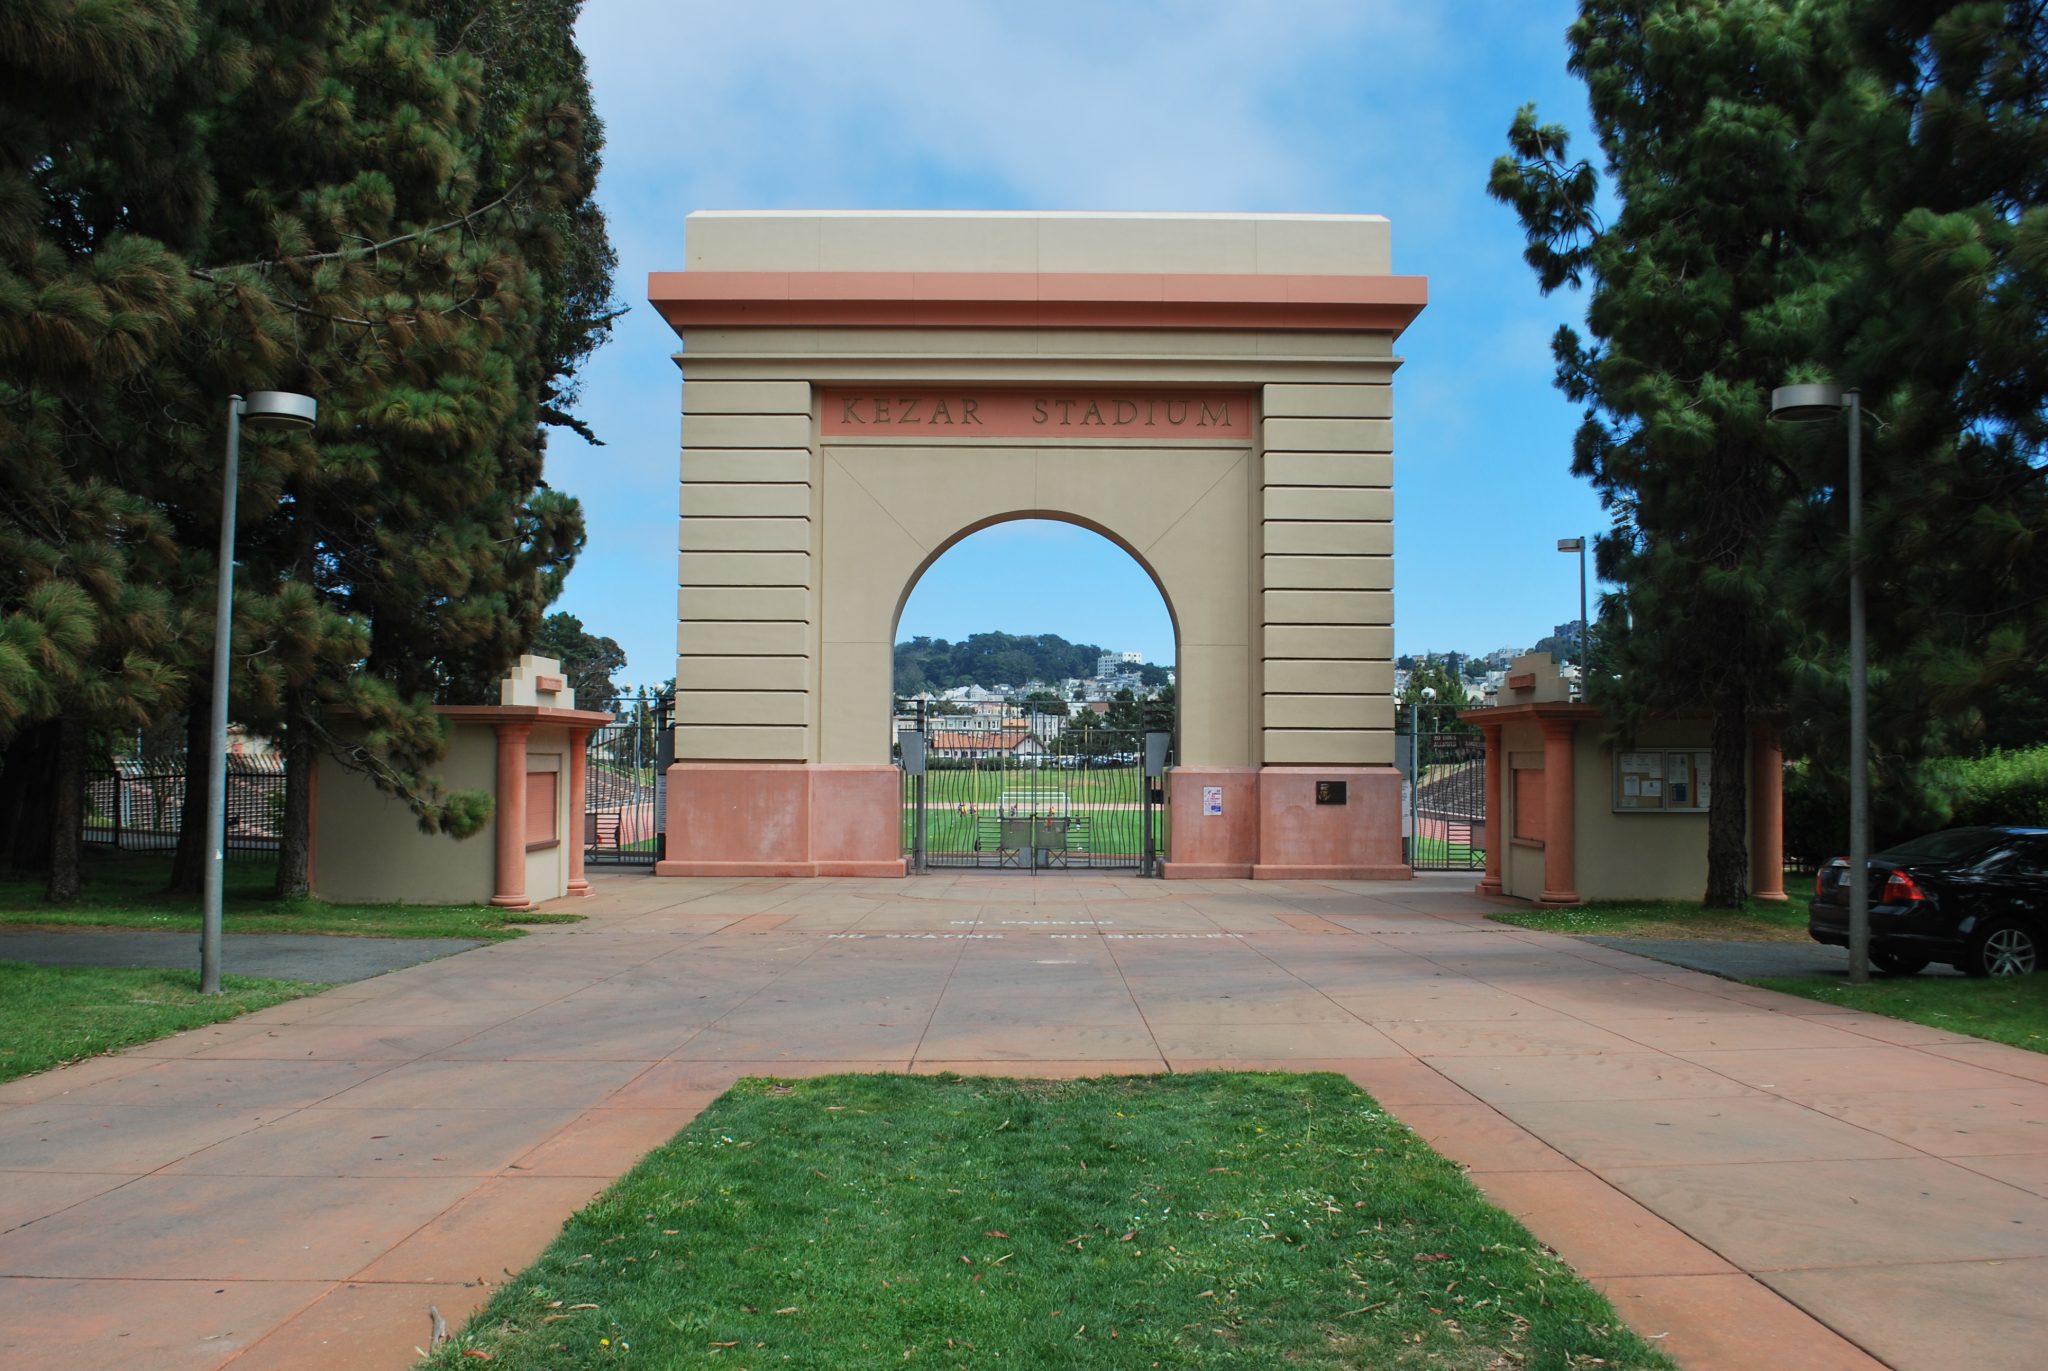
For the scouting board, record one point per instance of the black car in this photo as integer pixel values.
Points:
(1975, 898)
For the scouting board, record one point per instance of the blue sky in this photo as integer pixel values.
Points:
(1305, 106)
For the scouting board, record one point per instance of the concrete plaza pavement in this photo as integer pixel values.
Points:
(1756, 1180)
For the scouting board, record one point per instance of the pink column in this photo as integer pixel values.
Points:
(1559, 836)
(511, 816)
(1496, 834)
(1766, 816)
(579, 743)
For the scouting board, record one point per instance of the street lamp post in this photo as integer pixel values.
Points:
(262, 409)
(1803, 404)
(1578, 545)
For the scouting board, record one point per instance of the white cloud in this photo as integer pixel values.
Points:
(1074, 106)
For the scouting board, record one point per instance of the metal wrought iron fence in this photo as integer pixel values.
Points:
(138, 804)
(1029, 795)
(624, 783)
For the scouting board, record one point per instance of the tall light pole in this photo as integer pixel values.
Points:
(1804, 404)
(1578, 545)
(262, 409)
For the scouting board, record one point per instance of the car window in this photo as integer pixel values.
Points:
(1949, 845)
(2029, 857)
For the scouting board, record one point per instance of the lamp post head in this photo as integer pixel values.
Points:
(1805, 403)
(282, 409)
(1571, 545)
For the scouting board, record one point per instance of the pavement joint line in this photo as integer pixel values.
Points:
(929, 1019)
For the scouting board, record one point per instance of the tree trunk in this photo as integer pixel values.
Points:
(25, 796)
(67, 812)
(1728, 810)
(188, 863)
(294, 833)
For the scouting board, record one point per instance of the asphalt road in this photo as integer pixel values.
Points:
(276, 956)
(1745, 961)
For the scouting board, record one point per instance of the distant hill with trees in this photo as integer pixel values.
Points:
(992, 659)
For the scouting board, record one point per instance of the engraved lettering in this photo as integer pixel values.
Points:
(1066, 411)
(967, 414)
(1094, 412)
(881, 408)
(1038, 411)
(909, 414)
(849, 412)
(1122, 417)
(1176, 419)
(1151, 408)
(942, 413)
(1221, 413)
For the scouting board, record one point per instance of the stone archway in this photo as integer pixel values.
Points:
(849, 412)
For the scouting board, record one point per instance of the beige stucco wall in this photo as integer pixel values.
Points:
(1275, 557)
(368, 848)
(1621, 855)
(922, 240)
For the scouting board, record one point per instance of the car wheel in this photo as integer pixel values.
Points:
(2002, 947)
(1897, 963)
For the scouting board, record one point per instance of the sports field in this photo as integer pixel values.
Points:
(1088, 815)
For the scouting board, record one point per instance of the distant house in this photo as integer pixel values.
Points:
(972, 744)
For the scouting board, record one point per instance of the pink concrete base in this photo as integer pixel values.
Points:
(1266, 872)
(675, 868)
(1205, 846)
(1205, 871)
(783, 819)
(1272, 829)
(1359, 840)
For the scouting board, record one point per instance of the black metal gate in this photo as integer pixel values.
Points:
(623, 783)
(1030, 792)
(1447, 800)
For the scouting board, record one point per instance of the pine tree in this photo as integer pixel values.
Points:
(93, 198)
(1705, 292)
(312, 196)
(1943, 134)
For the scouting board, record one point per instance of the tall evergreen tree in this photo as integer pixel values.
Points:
(1705, 291)
(587, 659)
(94, 197)
(338, 198)
(1943, 134)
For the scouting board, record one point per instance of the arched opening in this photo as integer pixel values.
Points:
(1031, 658)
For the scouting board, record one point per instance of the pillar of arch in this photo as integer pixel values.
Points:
(1210, 392)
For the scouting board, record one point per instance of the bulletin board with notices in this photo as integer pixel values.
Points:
(1663, 780)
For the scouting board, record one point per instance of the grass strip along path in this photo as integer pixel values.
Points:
(50, 1015)
(1756, 922)
(126, 890)
(2004, 1009)
(1171, 1221)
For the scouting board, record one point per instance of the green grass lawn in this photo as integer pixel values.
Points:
(2007, 1009)
(1108, 831)
(125, 890)
(1756, 922)
(50, 1015)
(1177, 1221)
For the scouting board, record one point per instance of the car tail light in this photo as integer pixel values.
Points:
(1899, 888)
